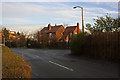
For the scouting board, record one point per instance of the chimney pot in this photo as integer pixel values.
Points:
(55, 25)
(77, 24)
(77, 27)
(49, 27)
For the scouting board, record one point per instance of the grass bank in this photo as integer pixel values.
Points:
(13, 66)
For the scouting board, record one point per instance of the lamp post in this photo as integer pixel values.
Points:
(82, 16)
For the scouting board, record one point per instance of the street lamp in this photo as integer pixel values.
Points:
(82, 16)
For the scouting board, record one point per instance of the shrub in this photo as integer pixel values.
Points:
(8, 44)
(33, 44)
(44, 45)
(77, 43)
(53, 43)
(14, 44)
(63, 45)
(28, 43)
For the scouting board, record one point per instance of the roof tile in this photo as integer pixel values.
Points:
(53, 29)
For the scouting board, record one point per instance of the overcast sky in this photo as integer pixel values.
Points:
(30, 16)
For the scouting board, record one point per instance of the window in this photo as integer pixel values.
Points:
(50, 35)
(75, 33)
(70, 34)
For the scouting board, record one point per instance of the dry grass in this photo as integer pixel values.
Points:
(13, 66)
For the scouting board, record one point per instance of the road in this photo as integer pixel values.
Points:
(49, 63)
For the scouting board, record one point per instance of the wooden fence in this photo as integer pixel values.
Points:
(103, 45)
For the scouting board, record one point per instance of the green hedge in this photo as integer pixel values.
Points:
(77, 43)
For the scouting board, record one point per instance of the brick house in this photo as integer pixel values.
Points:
(69, 31)
(13, 35)
(50, 32)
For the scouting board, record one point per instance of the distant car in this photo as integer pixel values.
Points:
(29, 45)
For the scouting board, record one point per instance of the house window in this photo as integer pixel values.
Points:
(50, 35)
(75, 33)
(61, 40)
(66, 40)
(70, 34)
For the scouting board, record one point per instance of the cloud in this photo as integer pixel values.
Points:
(60, 0)
(36, 13)
(100, 10)
(44, 13)
(22, 12)
(0, 13)
(26, 28)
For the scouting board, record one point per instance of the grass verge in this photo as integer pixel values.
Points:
(13, 66)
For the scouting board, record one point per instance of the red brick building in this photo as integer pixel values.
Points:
(58, 32)
(50, 32)
(13, 35)
(69, 31)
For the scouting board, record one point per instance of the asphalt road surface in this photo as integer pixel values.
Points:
(49, 63)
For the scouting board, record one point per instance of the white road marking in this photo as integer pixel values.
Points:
(61, 66)
(36, 56)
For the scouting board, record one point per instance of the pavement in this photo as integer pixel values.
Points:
(55, 63)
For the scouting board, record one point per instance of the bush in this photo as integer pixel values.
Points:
(28, 43)
(53, 44)
(8, 44)
(77, 43)
(44, 45)
(63, 45)
(14, 44)
(34, 44)
(11, 44)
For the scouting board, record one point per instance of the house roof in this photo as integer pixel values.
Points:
(68, 30)
(14, 34)
(53, 29)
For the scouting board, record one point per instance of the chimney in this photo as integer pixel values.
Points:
(49, 27)
(55, 25)
(77, 27)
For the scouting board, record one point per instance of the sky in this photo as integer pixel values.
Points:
(32, 16)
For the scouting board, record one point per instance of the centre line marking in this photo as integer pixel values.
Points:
(61, 66)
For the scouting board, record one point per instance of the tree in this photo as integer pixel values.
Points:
(22, 40)
(38, 36)
(107, 24)
(5, 34)
(18, 33)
